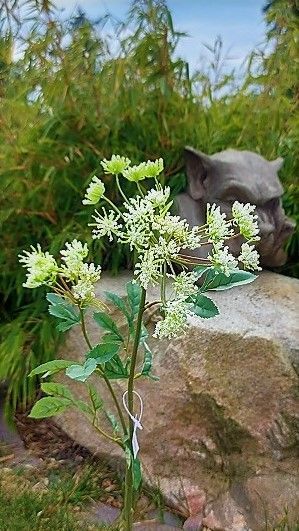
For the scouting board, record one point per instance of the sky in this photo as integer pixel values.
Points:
(239, 22)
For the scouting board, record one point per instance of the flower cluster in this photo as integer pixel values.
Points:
(43, 269)
(115, 165)
(219, 228)
(121, 165)
(222, 259)
(175, 320)
(249, 257)
(177, 310)
(158, 239)
(105, 224)
(94, 192)
(246, 220)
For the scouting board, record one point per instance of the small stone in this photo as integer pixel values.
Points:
(194, 523)
(195, 499)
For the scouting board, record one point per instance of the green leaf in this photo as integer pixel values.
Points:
(119, 303)
(111, 338)
(57, 389)
(113, 421)
(66, 325)
(51, 367)
(219, 281)
(200, 270)
(97, 402)
(134, 297)
(148, 363)
(143, 334)
(85, 408)
(105, 321)
(137, 477)
(61, 309)
(49, 406)
(81, 372)
(103, 352)
(115, 369)
(204, 307)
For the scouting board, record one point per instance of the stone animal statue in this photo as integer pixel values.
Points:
(242, 176)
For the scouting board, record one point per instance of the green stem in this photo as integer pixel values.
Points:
(140, 189)
(163, 284)
(120, 189)
(129, 497)
(112, 205)
(118, 408)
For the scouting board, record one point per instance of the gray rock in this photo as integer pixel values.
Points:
(225, 411)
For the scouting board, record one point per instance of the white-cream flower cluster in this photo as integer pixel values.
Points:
(106, 224)
(158, 239)
(246, 220)
(43, 269)
(249, 257)
(219, 228)
(150, 230)
(177, 310)
(175, 320)
(94, 192)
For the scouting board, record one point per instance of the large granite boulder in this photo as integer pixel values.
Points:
(223, 421)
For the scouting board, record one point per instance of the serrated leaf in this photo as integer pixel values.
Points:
(66, 325)
(137, 477)
(51, 367)
(53, 298)
(106, 322)
(63, 310)
(49, 406)
(148, 363)
(204, 307)
(57, 389)
(219, 281)
(113, 421)
(59, 307)
(80, 373)
(119, 303)
(200, 270)
(85, 408)
(103, 352)
(134, 297)
(111, 338)
(128, 456)
(114, 369)
(143, 334)
(97, 402)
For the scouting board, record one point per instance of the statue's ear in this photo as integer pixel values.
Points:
(197, 168)
(277, 163)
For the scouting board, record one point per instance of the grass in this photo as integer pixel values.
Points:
(26, 504)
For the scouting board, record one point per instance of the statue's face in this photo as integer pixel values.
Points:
(246, 177)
